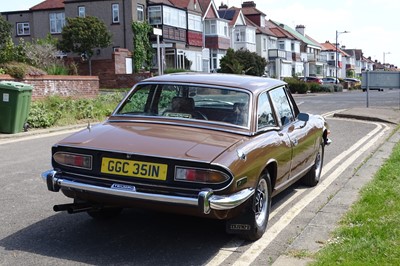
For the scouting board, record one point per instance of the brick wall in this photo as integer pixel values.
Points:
(111, 72)
(66, 86)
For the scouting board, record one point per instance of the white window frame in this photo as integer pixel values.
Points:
(57, 22)
(140, 12)
(174, 17)
(23, 29)
(81, 11)
(240, 35)
(195, 22)
(281, 45)
(264, 44)
(154, 15)
(115, 13)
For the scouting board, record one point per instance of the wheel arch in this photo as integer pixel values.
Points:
(272, 169)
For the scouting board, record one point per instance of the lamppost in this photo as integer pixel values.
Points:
(384, 53)
(337, 52)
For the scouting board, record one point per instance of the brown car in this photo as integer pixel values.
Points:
(211, 145)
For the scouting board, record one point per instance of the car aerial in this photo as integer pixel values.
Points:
(313, 80)
(209, 145)
(330, 80)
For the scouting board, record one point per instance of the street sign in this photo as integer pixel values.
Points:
(162, 45)
(157, 31)
(380, 80)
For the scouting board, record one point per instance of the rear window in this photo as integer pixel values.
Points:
(170, 101)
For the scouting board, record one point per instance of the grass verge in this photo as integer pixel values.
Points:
(369, 234)
(60, 111)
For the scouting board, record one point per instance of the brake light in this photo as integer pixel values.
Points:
(204, 176)
(73, 160)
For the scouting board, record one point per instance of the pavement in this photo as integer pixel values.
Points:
(317, 232)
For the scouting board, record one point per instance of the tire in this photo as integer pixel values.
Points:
(314, 174)
(104, 213)
(260, 209)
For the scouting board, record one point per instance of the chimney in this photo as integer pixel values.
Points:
(301, 29)
(248, 4)
(223, 6)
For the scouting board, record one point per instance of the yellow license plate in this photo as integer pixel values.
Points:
(134, 168)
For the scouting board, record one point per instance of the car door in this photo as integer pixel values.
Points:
(297, 131)
(277, 143)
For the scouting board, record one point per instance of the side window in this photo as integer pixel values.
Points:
(282, 105)
(81, 11)
(115, 13)
(265, 117)
(23, 28)
(140, 13)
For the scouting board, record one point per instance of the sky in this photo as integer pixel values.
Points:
(373, 25)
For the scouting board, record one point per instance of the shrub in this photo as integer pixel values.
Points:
(19, 70)
(57, 70)
(314, 87)
(296, 86)
(15, 70)
(39, 116)
(58, 111)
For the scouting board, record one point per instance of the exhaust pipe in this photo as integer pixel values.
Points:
(73, 207)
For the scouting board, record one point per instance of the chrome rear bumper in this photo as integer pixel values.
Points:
(205, 201)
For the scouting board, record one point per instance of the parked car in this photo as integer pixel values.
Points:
(330, 80)
(209, 145)
(313, 79)
(353, 81)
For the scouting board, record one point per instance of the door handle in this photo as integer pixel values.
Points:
(295, 142)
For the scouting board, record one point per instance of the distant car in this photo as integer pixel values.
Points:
(330, 80)
(210, 145)
(353, 80)
(372, 89)
(313, 79)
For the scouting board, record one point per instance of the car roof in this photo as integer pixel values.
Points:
(250, 83)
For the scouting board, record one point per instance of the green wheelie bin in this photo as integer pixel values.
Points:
(15, 101)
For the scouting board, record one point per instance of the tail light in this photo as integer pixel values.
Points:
(204, 176)
(73, 160)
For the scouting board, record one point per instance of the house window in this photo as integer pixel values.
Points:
(115, 13)
(264, 44)
(195, 22)
(213, 27)
(281, 45)
(57, 22)
(214, 61)
(225, 26)
(250, 36)
(240, 35)
(140, 13)
(23, 29)
(174, 17)
(81, 11)
(155, 15)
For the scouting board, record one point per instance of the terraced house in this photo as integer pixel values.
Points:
(195, 34)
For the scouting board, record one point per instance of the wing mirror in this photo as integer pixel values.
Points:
(303, 117)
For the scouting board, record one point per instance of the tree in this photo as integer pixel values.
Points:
(83, 35)
(5, 31)
(243, 62)
(142, 50)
